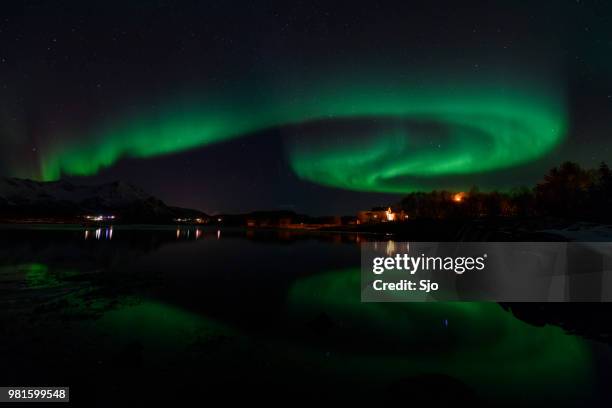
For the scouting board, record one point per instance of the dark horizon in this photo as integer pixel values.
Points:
(567, 191)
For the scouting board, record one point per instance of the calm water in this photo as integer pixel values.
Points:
(155, 313)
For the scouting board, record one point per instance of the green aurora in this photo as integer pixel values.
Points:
(428, 128)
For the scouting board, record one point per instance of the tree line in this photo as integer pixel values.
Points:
(566, 191)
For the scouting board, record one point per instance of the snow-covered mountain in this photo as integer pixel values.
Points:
(28, 198)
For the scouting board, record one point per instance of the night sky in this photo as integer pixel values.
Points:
(313, 106)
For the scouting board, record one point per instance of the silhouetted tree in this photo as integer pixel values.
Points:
(604, 180)
(600, 194)
(522, 201)
(565, 190)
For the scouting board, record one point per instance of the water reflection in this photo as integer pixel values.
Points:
(390, 248)
(157, 296)
(189, 233)
(485, 347)
(186, 233)
(100, 234)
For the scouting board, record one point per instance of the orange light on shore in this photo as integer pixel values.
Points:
(458, 197)
(390, 215)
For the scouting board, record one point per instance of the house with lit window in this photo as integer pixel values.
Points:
(381, 214)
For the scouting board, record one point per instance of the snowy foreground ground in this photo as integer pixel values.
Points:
(584, 232)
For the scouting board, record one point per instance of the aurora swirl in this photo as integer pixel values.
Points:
(420, 131)
(438, 134)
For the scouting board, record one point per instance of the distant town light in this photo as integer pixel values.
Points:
(190, 220)
(99, 218)
(458, 197)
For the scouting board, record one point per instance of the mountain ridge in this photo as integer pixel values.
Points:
(28, 199)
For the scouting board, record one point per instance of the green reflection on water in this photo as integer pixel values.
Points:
(40, 276)
(160, 328)
(478, 343)
(37, 275)
(34, 275)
